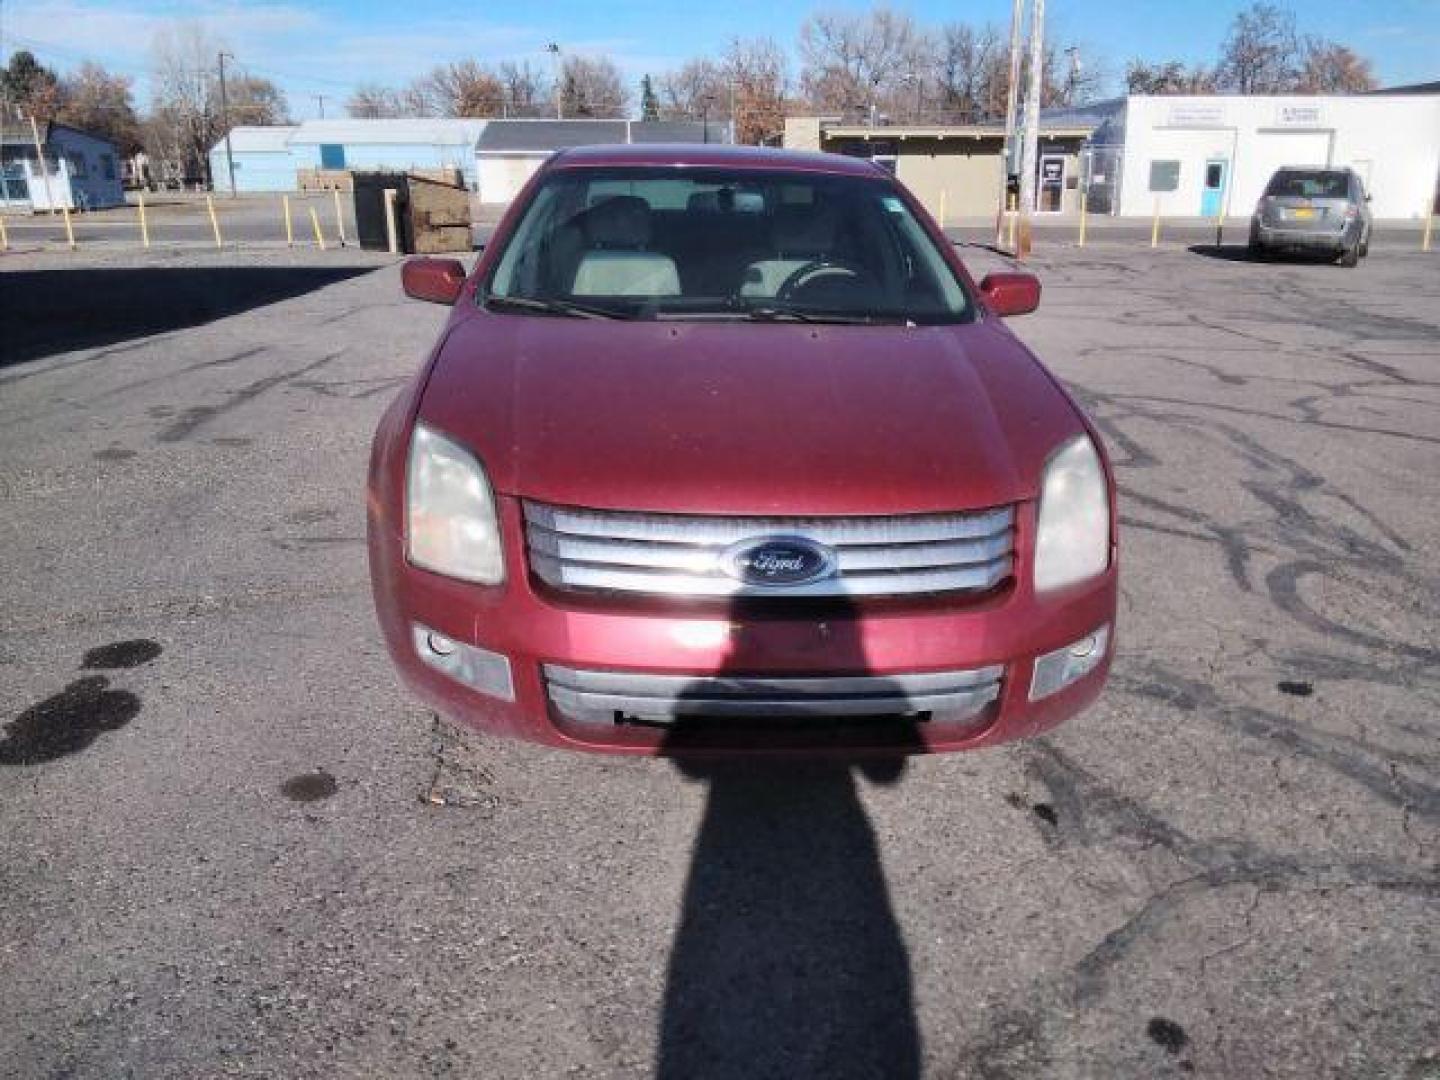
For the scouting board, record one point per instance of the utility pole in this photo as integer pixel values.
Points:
(554, 50)
(1017, 14)
(1072, 76)
(225, 119)
(1028, 160)
(320, 101)
(40, 161)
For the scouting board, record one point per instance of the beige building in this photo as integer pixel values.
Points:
(954, 171)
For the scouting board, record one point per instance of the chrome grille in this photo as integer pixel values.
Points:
(606, 697)
(675, 555)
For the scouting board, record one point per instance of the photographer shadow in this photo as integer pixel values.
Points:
(788, 960)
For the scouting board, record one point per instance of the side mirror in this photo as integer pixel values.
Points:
(436, 280)
(1008, 293)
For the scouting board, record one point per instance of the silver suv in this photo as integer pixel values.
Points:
(1314, 209)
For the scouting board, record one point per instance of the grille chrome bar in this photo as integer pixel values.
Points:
(675, 555)
(602, 697)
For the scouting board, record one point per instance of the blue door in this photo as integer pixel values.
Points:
(332, 156)
(1212, 198)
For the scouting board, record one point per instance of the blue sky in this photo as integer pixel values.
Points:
(326, 46)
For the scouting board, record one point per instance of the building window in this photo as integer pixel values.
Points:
(1164, 175)
(77, 165)
(332, 156)
(107, 166)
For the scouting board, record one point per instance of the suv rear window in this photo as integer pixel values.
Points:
(1309, 184)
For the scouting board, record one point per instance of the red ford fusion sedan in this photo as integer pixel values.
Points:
(723, 449)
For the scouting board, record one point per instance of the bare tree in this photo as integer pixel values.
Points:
(856, 61)
(465, 88)
(253, 100)
(186, 118)
(527, 91)
(371, 101)
(1171, 77)
(96, 101)
(971, 73)
(592, 87)
(1261, 54)
(184, 124)
(1331, 68)
(758, 76)
(701, 86)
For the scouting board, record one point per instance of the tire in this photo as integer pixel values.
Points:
(1364, 247)
(1257, 252)
(1350, 256)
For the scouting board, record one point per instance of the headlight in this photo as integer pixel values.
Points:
(1072, 541)
(450, 521)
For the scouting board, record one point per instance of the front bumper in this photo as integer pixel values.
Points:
(663, 641)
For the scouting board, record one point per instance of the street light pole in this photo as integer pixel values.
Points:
(554, 50)
(225, 119)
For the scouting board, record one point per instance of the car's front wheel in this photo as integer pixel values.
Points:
(1350, 256)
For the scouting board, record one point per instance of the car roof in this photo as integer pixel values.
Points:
(640, 155)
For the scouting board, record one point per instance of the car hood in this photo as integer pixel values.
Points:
(748, 417)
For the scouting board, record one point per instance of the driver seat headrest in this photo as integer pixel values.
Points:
(621, 223)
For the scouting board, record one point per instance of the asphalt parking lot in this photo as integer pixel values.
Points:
(230, 844)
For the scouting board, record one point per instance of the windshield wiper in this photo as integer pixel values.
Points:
(782, 313)
(553, 307)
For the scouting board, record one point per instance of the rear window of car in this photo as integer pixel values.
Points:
(1309, 184)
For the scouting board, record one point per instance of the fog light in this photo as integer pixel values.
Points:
(1056, 670)
(479, 669)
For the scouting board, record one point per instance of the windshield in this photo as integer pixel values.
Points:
(723, 243)
(1309, 185)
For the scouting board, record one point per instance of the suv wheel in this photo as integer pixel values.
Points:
(1350, 256)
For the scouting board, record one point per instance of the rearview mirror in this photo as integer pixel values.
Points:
(436, 280)
(1008, 293)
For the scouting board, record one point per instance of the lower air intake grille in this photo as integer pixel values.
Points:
(606, 697)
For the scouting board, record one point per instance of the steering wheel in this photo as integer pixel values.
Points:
(815, 270)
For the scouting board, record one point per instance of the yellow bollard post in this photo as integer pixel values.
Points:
(315, 221)
(339, 216)
(1429, 228)
(1014, 216)
(4, 236)
(1082, 220)
(214, 221)
(289, 224)
(1220, 228)
(144, 225)
(392, 232)
(1155, 226)
(69, 228)
(943, 193)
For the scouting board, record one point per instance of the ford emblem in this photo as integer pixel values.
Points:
(771, 561)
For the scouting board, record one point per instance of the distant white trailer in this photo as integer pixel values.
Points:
(1199, 156)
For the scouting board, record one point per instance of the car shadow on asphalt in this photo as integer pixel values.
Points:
(788, 959)
(1241, 253)
(53, 311)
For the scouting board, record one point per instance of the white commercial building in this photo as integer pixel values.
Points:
(1199, 156)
